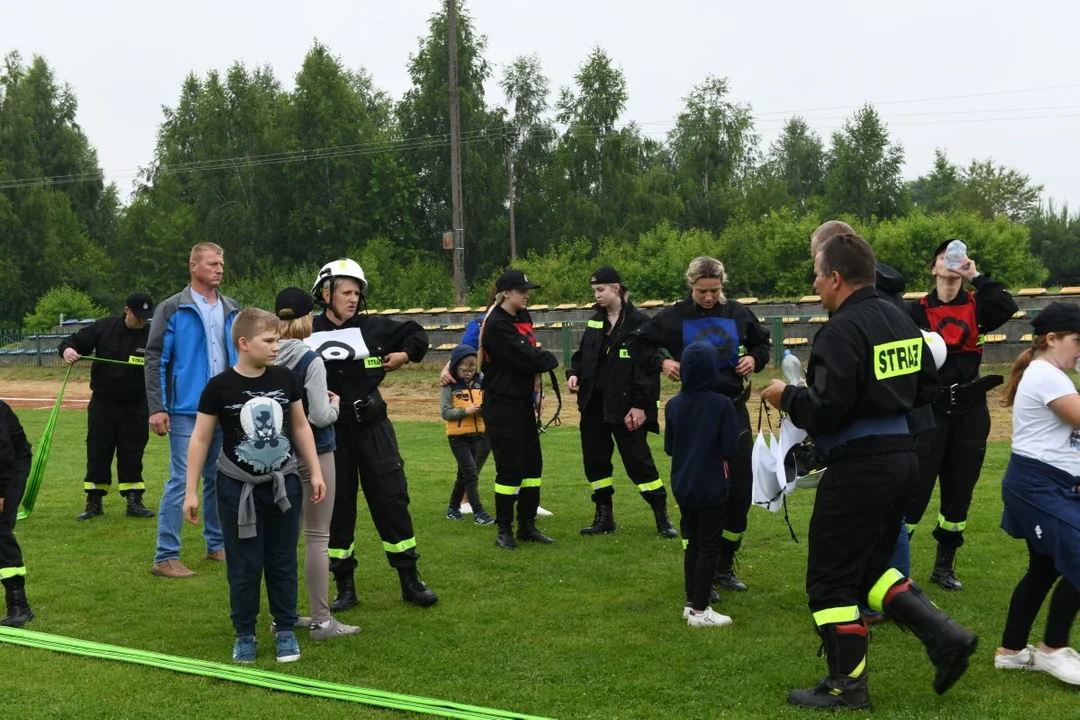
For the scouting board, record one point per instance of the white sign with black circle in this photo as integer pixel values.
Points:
(345, 344)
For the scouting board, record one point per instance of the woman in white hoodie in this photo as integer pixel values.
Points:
(293, 307)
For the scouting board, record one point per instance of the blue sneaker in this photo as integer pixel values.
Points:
(481, 517)
(243, 650)
(453, 513)
(288, 650)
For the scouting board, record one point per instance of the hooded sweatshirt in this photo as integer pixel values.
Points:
(458, 395)
(701, 431)
(320, 413)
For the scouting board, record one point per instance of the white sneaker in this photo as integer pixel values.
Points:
(1018, 661)
(333, 629)
(1064, 664)
(466, 508)
(542, 512)
(709, 618)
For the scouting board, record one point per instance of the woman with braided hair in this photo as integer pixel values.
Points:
(512, 365)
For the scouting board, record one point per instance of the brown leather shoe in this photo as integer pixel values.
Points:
(216, 556)
(171, 568)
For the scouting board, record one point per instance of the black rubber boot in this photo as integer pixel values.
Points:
(346, 593)
(603, 522)
(725, 573)
(663, 524)
(413, 589)
(18, 609)
(93, 506)
(948, 643)
(845, 687)
(527, 532)
(943, 574)
(505, 538)
(135, 507)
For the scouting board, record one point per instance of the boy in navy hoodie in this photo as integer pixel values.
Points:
(701, 434)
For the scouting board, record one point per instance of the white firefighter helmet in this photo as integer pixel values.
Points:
(337, 269)
(936, 343)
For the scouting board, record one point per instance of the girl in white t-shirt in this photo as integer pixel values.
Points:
(1041, 493)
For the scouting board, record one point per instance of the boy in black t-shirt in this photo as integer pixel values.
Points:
(258, 490)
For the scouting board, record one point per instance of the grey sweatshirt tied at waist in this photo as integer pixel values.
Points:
(246, 511)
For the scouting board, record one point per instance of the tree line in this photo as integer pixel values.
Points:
(287, 179)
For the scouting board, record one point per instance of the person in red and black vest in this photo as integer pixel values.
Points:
(512, 367)
(954, 450)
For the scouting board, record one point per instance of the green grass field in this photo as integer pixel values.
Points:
(587, 628)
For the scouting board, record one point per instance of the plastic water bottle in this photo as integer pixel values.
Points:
(792, 367)
(955, 255)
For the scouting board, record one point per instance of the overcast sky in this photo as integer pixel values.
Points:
(126, 59)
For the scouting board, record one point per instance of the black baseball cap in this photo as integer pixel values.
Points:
(514, 280)
(1057, 317)
(605, 275)
(293, 303)
(140, 305)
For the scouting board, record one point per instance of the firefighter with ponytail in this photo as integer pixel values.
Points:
(512, 367)
(358, 350)
(952, 453)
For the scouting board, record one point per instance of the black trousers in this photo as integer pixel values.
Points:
(702, 530)
(122, 429)
(12, 569)
(741, 485)
(471, 452)
(598, 442)
(1027, 600)
(860, 502)
(367, 459)
(951, 453)
(272, 552)
(519, 462)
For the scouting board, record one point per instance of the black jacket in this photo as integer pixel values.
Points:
(346, 375)
(14, 448)
(673, 328)
(627, 382)
(511, 359)
(112, 339)
(701, 431)
(861, 368)
(993, 308)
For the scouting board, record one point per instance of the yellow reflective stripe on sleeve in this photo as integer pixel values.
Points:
(339, 554)
(399, 547)
(606, 482)
(530, 482)
(834, 616)
(506, 489)
(624, 353)
(950, 526)
(124, 487)
(903, 357)
(10, 572)
(654, 485)
(88, 486)
(599, 324)
(881, 587)
(733, 537)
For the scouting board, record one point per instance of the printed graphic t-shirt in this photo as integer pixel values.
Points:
(254, 416)
(1038, 432)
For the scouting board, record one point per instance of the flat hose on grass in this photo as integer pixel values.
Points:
(258, 678)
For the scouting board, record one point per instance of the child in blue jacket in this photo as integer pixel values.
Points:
(701, 434)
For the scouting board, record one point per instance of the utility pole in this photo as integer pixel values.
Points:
(455, 157)
(511, 141)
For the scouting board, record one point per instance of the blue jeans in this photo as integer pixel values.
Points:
(171, 510)
(270, 554)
